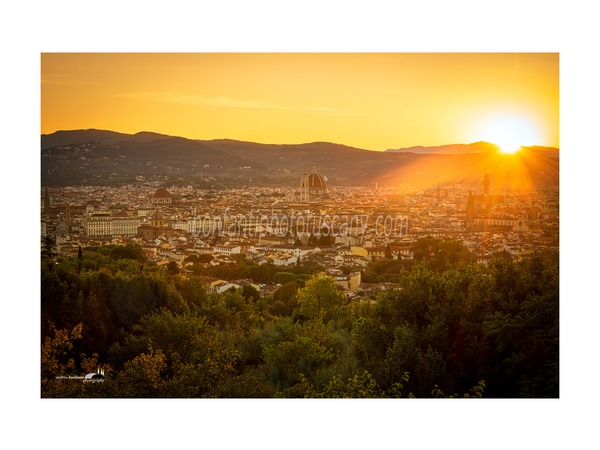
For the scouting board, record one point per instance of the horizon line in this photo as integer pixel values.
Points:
(289, 143)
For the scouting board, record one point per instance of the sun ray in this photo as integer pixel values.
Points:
(510, 133)
(522, 170)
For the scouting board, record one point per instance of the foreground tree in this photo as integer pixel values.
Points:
(181, 353)
(321, 297)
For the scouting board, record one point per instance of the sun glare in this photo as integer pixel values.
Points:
(510, 134)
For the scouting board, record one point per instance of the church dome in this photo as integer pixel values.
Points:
(157, 216)
(162, 193)
(316, 181)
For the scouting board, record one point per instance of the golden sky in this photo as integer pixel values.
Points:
(368, 100)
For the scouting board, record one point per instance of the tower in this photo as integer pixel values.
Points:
(470, 206)
(470, 222)
(486, 184)
(304, 191)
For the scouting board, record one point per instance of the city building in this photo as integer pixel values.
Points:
(124, 224)
(162, 197)
(350, 281)
(98, 225)
(104, 225)
(312, 188)
(158, 226)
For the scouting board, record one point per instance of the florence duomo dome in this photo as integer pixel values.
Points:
(312, 186)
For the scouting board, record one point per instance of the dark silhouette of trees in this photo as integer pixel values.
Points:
(440, 254)
(284, 299)
(48, 246)
(450, 328)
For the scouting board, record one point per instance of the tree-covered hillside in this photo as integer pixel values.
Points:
(457, 329)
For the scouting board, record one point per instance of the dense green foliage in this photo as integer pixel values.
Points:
(451, 328)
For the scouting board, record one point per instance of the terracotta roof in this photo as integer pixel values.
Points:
(316, 181)
(162, 193)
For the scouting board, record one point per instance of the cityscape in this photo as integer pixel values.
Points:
(299, 226)
(340, 227)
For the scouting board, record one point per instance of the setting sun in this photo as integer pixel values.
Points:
(509, 150)
(366, 100)
(246, 202)
(510, 134)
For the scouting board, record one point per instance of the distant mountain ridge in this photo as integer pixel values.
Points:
(103, 156)
(449, 149)
(475, 147)
(65, 137)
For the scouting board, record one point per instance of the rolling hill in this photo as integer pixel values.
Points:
(107, 157)
(475, 147)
